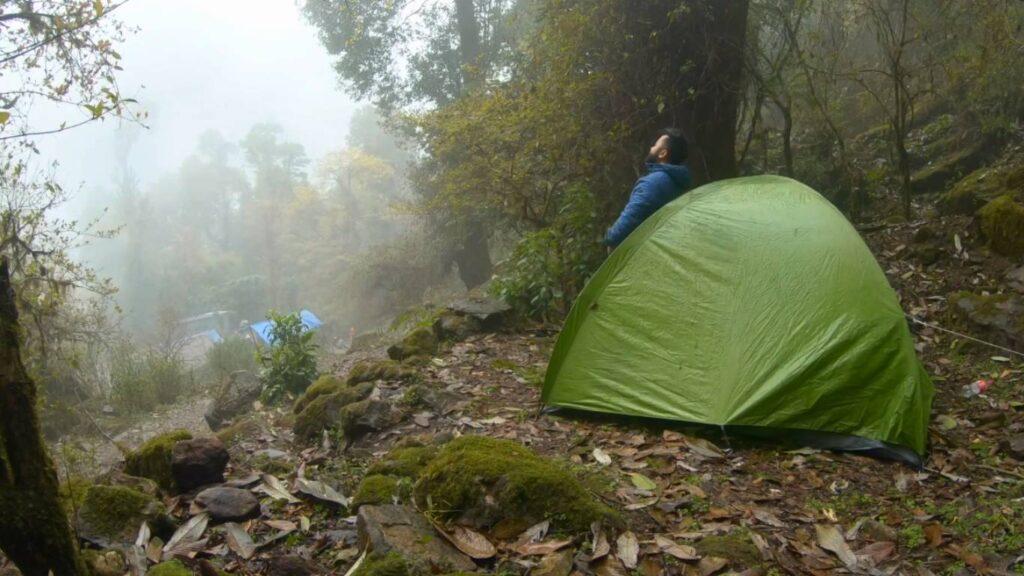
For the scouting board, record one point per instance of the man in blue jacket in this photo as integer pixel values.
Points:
(666, 179)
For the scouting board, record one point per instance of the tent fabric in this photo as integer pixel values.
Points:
(263, 329)
(748, 303)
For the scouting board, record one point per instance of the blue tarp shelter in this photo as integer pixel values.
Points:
(262, 329)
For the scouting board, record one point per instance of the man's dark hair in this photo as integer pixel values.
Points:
(678, 149)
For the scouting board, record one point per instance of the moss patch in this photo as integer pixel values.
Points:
(1002, 222)
(244, 428)
(170, 568)
(153, 459)
(323, 386)
(380, 370)
(108, 563)
(393, 564)
(376, 489)
(408, 462)
(323, 412)
(419, 342)
(114, 513)
(486, 482)
(72, 493)
(735, 546)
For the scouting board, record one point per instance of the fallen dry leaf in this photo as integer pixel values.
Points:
(601, 457)
(933, 534)
(627, 548)
(831, 539)
(680, 551)
(709, 565)
(470, 543)
(320, 491)
(189, 533)
(238, 540)
(542, 548)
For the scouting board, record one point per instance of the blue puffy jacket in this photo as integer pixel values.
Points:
(662, 184)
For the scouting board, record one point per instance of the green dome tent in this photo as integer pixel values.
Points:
(750, 304)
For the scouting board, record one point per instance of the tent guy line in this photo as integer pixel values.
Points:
(917, 320)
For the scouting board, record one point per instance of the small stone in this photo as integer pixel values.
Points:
(1014, 446)
(237, 393)
(198, 462)
(401, 529)
(227, 504)
(291, 565)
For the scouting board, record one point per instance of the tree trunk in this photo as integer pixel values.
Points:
(474, 254)
(34, 531)
(474, 257)
(719, 90)
(787, 139)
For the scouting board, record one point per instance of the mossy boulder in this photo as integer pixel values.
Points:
(377, 489)
(153, 459)
(117, 477)
(419, 342)
(324, 412)
(737, 547)
(364, 417)
(111, 515)
(387, 370)
(407, 462)
(323, 386)
(1001, 313)
(983, 185)
(499, 485)
(1002, 223)
(243, 428)
(169, 568)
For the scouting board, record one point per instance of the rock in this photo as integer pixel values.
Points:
(110, 516)
(419, 342)
(926, 254)
(923, 234)
(387, 370)
(1015, 278)
(1002, 313)
(291, 565)
(153, 459)
(406, 462)
(104, 563)
(324, 412)
(469, 316)
(323, 386)
(1014, 446)
(499, 485)
(198, 462)
(116, 477)
(1002, 223)
(226, 504)
(736, 546)
(236, 395)
(364, 417)
(401, 529)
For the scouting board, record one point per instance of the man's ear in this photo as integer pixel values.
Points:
(663, 154)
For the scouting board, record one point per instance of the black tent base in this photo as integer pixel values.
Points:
(809, 438)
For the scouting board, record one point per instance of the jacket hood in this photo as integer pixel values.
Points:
(679, 173)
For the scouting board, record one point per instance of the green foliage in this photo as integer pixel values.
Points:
(231, 355)
(289, 365)
(169, 568)
(549, 267)
(141, 380)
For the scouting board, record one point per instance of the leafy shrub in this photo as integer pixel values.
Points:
(289, 365)
(141, 380)
(229, 356)
(549, 267)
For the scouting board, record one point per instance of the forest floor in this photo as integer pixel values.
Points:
(696, 501)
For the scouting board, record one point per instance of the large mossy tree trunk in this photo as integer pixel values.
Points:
(34, 530)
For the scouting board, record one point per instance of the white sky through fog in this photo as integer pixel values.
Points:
(201, 64)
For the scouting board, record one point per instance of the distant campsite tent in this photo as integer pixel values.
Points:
(750, 304)
(262, 329)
